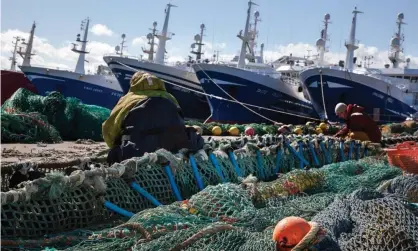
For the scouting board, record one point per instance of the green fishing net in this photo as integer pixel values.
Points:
(222, 217)
(27, 128)
(226, 216)
(72, 119)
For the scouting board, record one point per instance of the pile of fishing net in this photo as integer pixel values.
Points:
(361, 205)
(27, 128)
(213, 205)
(72, 119)
(218, 129)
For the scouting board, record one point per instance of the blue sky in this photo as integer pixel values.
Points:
(283, 23)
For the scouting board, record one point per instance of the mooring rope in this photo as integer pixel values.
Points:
(228, 100)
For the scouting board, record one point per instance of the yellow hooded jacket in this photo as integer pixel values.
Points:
(143, 85)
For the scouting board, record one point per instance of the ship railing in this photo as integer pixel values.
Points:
(291, 81)
(123, 56)
(402, 84)
(332, 67)
(186, 64)
(356, 42)
(264, 72)
(60, 68)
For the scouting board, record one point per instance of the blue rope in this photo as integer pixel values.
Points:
(366, 151)
(117, 209)
(350, 151)
(260, 164)
(196, 173)
(217, 168)
(300, 153)
(234, 163)
(330, 146)
(292, 150)
(357, 153)
(311, 148)
(172, 183)
(342, 151)
(324, 150)
(278, 159)
(144, 193)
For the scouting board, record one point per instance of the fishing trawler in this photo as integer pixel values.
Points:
(180, 79)
(246, 93)
(388, 94)
(11, 80)
(100, 89)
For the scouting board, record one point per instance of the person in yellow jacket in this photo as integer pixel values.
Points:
(146, 119)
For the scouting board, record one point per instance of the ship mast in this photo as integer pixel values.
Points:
(198, 41)
(245, 38)
(151, 39)
(120, 48)
(351, 44)
(163, 37)
(396, 43)
(13, 57)
(321, 42)
(253, 34)
(27, 55)
(79, 68)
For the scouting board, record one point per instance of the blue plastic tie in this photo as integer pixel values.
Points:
(350, 151)
(278, 159)
(311, 148)
(330, 146)
(117, 209)
(325, 151)
(300, 153)
(173, 183)
(234, 163)
(366, 151)
(301, 158)
(260, 164)
(217, 168)
(196, 173)
(357, 153)
(144, 193)
(342, 151)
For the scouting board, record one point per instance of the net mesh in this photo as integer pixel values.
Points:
(27, 128)
(51, 114)
(356, 202)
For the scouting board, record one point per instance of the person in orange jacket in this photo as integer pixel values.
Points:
(359, 125)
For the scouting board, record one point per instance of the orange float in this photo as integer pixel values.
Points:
(289, 232)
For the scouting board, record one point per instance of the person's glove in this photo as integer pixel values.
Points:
(195, 140)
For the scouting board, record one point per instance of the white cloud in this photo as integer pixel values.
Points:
(140, 41)
(61, 56)
(54, 57)
(174, 59)
(215, 46)
(5, 62)
(101, 30)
